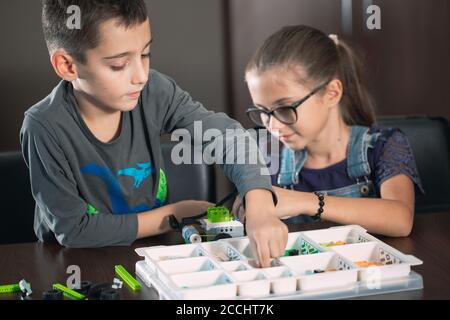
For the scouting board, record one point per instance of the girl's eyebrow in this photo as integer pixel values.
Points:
(281, 100)
(124, 54)
(277, 102)
(260, 106)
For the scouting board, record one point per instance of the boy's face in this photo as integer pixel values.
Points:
(116, 70)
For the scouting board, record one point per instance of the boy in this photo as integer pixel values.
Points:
(93, 145)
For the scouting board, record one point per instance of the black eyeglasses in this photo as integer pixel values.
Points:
(284, 114)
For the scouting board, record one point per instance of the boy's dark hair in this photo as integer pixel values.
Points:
(322, 60)
(93, 12)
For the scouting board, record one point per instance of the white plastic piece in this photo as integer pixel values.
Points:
(117, 284)
(205, 285)
(187, 265)
(348, 234)
(305, 266)
(25, 287)
(222, 251)
(242, 245)
(252, 283)
(161, 253)
(233, 228)
(196, 265)
(233, 266)
(282, 280)
(394, 263)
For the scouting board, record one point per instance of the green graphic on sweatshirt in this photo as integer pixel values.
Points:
(161, 195)
(91, 210)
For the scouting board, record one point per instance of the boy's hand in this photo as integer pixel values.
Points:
(238, 209)
(190, 208)
(268, 235)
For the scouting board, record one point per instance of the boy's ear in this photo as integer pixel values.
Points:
(333, 94)
(64, 65)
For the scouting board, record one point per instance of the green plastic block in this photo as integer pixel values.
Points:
(291, 252)
(69, 293)
(127, 278)
(219, 214)
(11, 288)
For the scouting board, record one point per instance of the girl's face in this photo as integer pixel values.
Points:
(278, 87)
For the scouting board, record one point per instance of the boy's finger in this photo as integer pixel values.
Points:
(236, 205)
(210, 204)
(241, 214)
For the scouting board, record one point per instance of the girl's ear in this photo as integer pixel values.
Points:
(64, 65)
(333, 93)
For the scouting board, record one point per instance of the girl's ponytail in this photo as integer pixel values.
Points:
(357, 106)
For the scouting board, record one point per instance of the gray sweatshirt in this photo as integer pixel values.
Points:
(87, 192)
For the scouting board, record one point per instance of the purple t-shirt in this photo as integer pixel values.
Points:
(392, 155)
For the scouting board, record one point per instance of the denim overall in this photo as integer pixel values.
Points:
(358, 168)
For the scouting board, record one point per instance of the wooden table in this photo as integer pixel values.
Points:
(45, 264)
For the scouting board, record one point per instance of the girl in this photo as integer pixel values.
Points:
(308, 91)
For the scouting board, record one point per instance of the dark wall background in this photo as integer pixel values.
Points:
(205, 44)
(407, 60)
(188, 46)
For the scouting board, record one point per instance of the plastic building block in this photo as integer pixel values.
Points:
(69, 293)
(53, 295)
(127, 278)
(190, 234)
(110, 294)
(219, 214)
(307, 248)
(25, 288)
(117, 284)
(96, 290)
(318, 271)
(291, 252)
(222, 230)
(332, 244)
(365, 264)
(11, 288)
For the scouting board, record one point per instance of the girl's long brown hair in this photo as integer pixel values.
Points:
(321, 59)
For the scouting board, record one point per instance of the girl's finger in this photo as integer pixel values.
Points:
(263, 250)
(275, 249)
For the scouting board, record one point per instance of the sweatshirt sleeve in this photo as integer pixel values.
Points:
(235, 148)
(58, 201)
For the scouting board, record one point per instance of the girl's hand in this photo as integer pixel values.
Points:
(267, 234)
(290, 203)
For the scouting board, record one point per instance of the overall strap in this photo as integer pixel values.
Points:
(291, 164)
(360, 141)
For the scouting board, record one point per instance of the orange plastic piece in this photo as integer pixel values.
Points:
(365, 264)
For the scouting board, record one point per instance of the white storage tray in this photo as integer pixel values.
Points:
(225, 269)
